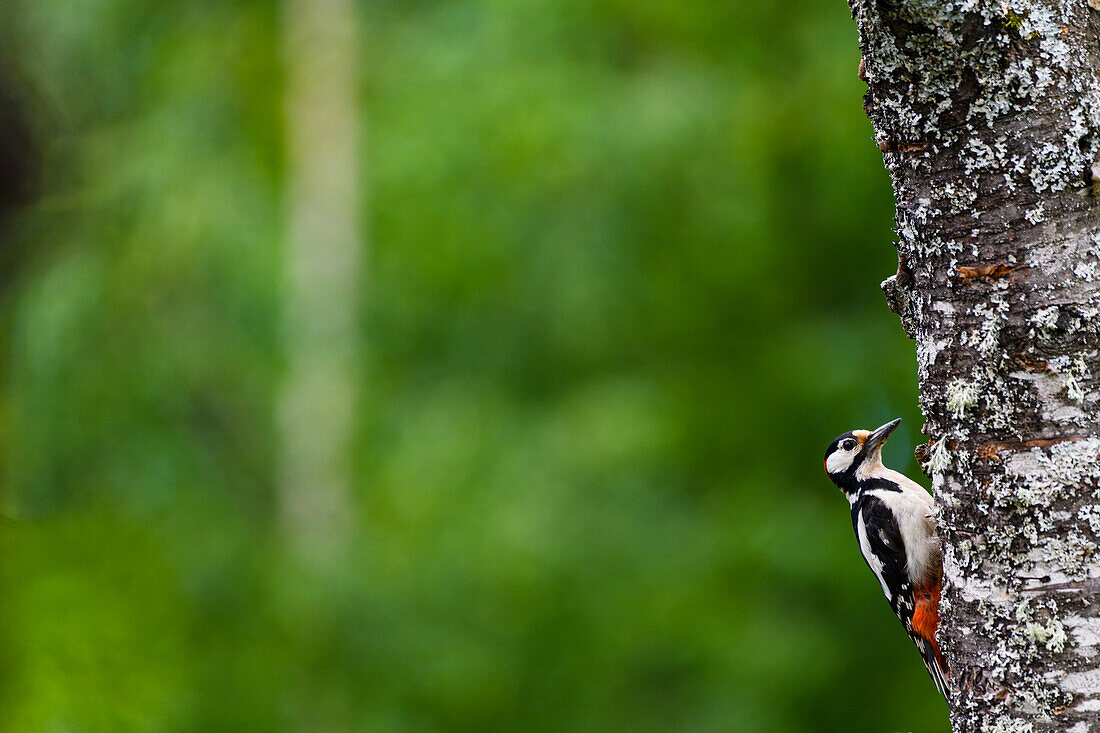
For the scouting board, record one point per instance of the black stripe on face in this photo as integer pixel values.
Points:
(835, 445)
(845, 478)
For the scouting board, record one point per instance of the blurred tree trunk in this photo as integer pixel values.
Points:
(988, 115)
(322, 265)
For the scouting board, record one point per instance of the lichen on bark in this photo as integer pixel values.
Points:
(988, 117)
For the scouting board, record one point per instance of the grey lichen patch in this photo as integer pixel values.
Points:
(1085, 271)
(1072, 368)
(1036, 215)
(1052, 635)
(991, 319)
(1072, 556)
(961, 397)
(1091, 516)
(939, 457)
(1041, 629)
(928, 350)
(1045, 321)
(1005, 724)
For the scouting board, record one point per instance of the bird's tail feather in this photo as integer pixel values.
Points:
(936, 664)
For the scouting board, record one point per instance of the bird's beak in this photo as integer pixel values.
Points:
(876, 439)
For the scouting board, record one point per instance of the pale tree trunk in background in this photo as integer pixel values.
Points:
(322, 266)
(988, 115)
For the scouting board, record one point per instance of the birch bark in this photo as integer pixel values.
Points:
(988, 116)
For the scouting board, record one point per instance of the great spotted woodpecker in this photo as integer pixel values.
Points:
(894, 522)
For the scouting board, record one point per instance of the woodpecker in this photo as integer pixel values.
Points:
(894, 521)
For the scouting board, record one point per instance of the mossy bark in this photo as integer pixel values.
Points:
(988, 116)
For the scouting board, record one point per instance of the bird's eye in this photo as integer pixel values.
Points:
(848, 444)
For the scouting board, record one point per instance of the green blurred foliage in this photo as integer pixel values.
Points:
(620, 291)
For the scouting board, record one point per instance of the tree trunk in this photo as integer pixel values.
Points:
(988, 116)
(316, 405)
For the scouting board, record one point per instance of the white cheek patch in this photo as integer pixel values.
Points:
(838, 461)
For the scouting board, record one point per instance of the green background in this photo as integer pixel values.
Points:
(620, 290)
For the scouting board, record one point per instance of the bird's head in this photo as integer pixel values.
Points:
(856, 455)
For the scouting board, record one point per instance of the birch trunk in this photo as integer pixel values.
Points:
(988, 116)
(323, 257)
